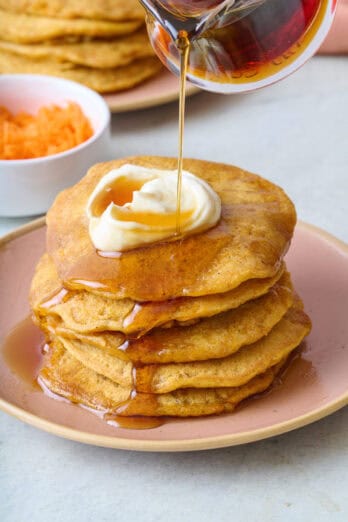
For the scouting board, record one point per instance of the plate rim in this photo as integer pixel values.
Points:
(174, 445)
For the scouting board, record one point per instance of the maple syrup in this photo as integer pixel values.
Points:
(168, 220)
(134, 422)
(237, 43)
(121, 190)
(183, 46)
(23, 351)
(55, 299)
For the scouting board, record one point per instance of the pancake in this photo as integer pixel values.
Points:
(24, 28)
(249, 241)
(101, 80)
(98, 9)
(213, 338)
(88, 312)
(96, 53)
(234, 370)
(67, 377)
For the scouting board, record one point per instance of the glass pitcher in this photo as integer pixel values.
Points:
(238, 45)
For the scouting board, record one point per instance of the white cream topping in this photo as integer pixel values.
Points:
(149, 215)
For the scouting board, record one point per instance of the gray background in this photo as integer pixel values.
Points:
(296, 134)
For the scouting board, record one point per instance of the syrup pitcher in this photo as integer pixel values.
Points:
(237, 45)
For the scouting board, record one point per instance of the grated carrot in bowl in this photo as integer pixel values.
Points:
(52, 130)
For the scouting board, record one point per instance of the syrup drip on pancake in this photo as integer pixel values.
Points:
(55, 299)
(215, 240)
(120, 192)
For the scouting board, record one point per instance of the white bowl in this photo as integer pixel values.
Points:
(29, 186)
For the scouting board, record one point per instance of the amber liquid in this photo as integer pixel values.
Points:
(120, 192)
(23, 351)
(238, 47)
(183, 45)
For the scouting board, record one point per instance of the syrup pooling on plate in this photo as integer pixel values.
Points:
(124, 414)
(134, 423)
(23, 351)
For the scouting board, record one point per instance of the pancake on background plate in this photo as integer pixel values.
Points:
(96, 9)
(23, 28)
(100, 54)
(101, 80)
(101, 44)
(183, 327)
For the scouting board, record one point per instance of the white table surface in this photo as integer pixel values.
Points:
(296, 134)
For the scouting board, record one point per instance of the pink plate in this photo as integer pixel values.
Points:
(162, 88)
(314, 386)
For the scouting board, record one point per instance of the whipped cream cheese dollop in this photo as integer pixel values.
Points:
(133, 206)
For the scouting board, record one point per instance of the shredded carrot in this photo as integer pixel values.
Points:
(54, 129)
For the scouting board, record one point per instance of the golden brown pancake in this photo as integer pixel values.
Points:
(88, 312)
(234, 370)
(96, 53)
(97, 9)
(101, 80)
(249, 241)
(66, 376)
(24, 28)
(213, 338)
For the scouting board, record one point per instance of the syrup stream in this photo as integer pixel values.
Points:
(183, 45)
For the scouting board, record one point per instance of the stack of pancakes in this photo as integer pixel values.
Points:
(180, 328)
(102, 44)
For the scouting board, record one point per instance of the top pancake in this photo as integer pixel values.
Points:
(249, 241)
